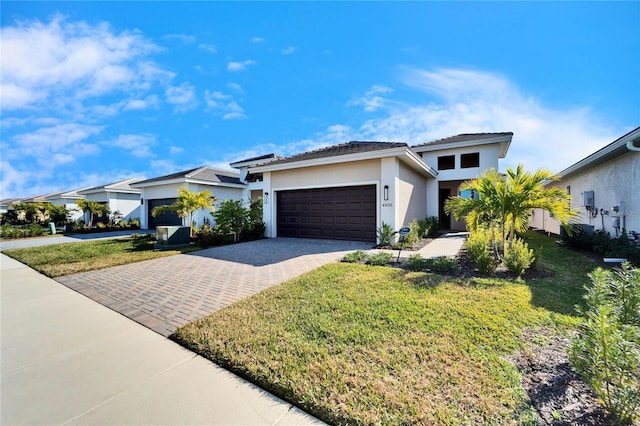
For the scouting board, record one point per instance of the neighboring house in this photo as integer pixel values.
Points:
(6, 204)
(68, 200)
(605, 188)
(163, 190)
(120, 196)
(347, 191)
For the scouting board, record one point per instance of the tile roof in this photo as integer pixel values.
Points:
(121, 185)
(353, 147)
(201, 173)
(261, 157)
(463, 137)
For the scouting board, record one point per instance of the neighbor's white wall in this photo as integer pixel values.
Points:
(614, 183)
(171, 191)
(127, 204)
(74, 211)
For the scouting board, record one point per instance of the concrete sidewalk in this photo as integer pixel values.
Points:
(69, 360)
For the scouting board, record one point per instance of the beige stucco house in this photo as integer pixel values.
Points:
(605, 189)
(347, 191)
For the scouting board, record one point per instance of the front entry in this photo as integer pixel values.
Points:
(444, 219)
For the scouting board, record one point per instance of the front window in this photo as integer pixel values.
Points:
(470, 160)
(446, 162)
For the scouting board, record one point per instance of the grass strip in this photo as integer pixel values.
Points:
(70, 258)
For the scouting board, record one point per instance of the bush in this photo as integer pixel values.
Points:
(428, 227)
(478, 247)
(519, 257)
(441, 264)
(354, 257)
(606, 351)
(386, 234)
(379, 259)
(35, 230)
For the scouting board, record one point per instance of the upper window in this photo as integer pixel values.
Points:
(470, 160)
(446, 162)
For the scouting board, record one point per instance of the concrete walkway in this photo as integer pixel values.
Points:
(69, 360)
(448, 245)
(71, 238)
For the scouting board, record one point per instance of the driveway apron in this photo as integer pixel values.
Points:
(167, 293)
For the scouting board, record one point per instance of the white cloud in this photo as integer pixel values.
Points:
(288, 50)
(471, 101)
(54, 146)
(174, 150)
(183, 97)
(208, 47)
(137, 145)
(239, 66)
(183, 38)
(257, 40)
(220, 103)
(235, 86)
(140, 104)
(372, 99)
(64, 62)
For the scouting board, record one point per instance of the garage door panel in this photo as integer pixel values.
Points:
(344, 213)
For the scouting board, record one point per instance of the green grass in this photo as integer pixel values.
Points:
(70, 258)
(360, 344)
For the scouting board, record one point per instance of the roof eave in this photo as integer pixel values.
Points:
(407, 153)
(614, 149)
(504, 142)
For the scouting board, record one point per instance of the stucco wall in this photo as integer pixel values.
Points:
(329, 175)
(615, 183)
(488, 158)
(413, 195)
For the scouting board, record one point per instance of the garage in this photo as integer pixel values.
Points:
(166, 218)
(341, 213)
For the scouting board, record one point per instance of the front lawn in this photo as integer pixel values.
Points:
(360, 344)
(70, 258)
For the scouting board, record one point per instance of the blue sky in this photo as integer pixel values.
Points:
(95, 92)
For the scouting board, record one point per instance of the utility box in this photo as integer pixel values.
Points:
(172, 235)
(588, 199)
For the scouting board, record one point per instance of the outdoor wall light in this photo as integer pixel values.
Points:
(386, 192)
(266, 198)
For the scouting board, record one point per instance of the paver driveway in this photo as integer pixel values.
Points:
(164, 294)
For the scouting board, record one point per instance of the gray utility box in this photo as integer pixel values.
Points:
(172, 235)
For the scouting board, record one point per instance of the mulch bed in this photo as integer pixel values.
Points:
(559, 395)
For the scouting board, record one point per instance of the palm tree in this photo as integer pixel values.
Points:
(509, 201)
(93, 208)
(187, 203)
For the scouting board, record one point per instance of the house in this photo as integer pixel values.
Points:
(120, 196)
(68, 200)
(604, 187)
(163, 190)
(347, 191)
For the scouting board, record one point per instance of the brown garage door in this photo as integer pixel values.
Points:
(346, 213)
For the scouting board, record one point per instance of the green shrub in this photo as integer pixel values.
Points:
(478, 247)
(428, 227)
(386, 234)
(440, 264)
(354, 257)
(519, 257)
(606, 352)
(379, 259)
(35, 230)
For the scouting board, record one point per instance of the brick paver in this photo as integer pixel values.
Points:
(167, 293)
